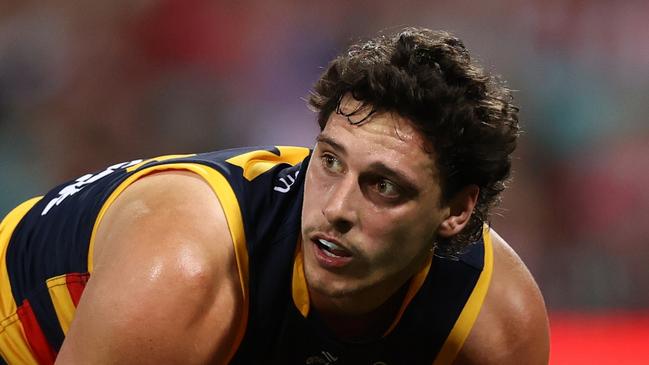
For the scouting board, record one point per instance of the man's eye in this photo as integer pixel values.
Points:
(331, 163)
(388, 189)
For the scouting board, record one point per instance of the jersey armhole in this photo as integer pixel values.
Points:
(230, 206)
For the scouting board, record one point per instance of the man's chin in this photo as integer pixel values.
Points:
(334, 288)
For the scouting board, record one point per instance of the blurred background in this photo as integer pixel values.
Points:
(88, 84)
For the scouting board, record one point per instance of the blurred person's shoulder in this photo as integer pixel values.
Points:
(512, 326)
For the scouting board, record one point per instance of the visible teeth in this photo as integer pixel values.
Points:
(331, 249)
(330, 245)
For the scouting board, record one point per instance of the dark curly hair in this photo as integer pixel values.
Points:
(466, 115)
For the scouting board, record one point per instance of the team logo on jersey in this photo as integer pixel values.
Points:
(84, 181)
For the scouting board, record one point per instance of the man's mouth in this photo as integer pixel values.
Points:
(331, 249)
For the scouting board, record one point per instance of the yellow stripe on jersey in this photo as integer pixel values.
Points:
(232, 212)
(230, 205)
(13, 347)
(62, 301)
(471, 309)
(255, 163)
(415, 284)
(7, 302)
(299, 291)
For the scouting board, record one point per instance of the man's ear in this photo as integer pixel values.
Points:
(460, 210)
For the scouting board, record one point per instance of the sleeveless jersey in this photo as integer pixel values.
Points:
(46, 247)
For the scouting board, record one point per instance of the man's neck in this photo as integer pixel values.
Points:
(360, 327)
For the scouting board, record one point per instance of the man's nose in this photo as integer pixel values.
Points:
(340, 208)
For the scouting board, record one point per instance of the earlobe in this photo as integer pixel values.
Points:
(461, 208)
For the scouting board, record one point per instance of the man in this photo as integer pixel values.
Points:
(370, 249)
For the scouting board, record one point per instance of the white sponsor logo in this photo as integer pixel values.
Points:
(327, 358)
(83, 181)
(287, 184)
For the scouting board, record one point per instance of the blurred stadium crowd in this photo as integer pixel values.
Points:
(87, 84)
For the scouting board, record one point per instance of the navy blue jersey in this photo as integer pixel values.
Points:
(46, 246)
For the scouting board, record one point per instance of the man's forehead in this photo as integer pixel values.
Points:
(390, 123)
(384, 127)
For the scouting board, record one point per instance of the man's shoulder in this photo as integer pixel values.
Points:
(512, 326)
(166, 206)
(165, 243)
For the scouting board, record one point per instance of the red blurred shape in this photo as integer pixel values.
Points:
(599, 339)
(200, 33)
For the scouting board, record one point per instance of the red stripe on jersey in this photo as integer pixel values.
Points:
(76, 283)
(41, 349)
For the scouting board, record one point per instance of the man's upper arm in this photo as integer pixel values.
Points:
(512, 327)
(165, 286)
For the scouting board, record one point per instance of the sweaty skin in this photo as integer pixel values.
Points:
(165, 288)
(512, 327)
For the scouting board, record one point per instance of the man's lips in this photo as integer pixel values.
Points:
(330, 253)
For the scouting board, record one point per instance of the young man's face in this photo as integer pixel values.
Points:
(371, 208)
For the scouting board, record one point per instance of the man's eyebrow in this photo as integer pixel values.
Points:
(323, 138)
